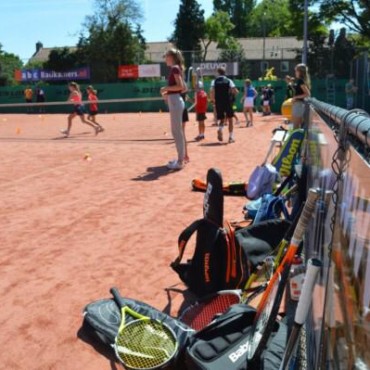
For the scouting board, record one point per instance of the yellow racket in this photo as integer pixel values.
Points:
(143, 343)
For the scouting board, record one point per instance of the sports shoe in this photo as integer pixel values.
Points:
(231, 140)
(199, 138)
(64, 132)
(220, 135)
(176, 166)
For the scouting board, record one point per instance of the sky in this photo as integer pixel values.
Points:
(58, 22)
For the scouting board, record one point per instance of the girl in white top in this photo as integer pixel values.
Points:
(250, 95)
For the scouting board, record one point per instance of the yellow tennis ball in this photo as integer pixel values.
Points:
(286, 109)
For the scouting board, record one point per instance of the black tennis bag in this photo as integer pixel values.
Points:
(218, 262)
(102, 319)
(223, 344)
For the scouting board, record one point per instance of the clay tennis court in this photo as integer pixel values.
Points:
(80, 215)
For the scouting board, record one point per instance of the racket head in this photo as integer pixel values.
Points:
(146, 344)
(203, 312)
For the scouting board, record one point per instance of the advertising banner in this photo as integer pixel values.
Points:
(210, 68)
(34, 75)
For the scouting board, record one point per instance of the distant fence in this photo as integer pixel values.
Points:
(132, 90)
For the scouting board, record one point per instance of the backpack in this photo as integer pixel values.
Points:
(103, 317)
(223, 343)
(218, 262)
(261, 181)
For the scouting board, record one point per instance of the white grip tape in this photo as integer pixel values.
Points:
(304, 304)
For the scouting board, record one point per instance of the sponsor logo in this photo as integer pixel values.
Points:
(286, 163)
(206, 199)
(153, 331)
(242, 350)
(207, 277)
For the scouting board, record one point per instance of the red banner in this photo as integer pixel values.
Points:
(128, 71)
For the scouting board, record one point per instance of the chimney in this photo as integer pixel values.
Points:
(39, 46)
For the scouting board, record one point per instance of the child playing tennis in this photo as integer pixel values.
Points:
(75, 96)
(201, 104)
(93, 107)
(250, 95)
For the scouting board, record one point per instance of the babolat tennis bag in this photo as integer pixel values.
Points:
(103, 317)
(218, 262)
(223, 344)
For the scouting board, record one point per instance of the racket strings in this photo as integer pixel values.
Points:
(202, 314)
(145, 344)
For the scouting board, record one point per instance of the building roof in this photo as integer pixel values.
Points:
(42, 55)
(276, 48)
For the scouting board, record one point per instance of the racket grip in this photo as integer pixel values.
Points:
(304, 304)
(304, 219)
(117, 297)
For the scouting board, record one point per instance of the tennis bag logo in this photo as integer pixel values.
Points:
(241, 351)
(206, 200)
(284, 161)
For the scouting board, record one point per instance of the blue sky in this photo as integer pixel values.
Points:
(58, 22)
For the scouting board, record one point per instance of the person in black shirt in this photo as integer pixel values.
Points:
(221, 89)
(267, 100)
(301, 91)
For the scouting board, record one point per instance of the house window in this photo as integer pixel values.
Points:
(264, 66)
(284, 66)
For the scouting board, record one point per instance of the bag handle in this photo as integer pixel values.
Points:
(184, 238)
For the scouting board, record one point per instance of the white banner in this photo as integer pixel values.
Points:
(210, 68)
(149, 70)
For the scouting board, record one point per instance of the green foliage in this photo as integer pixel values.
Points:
(239, 12)
(8, 64)
(354, 14)
(189, 29)
(61, 59)
(271, 18)
(217, 29)
(234, 52)
(110, 39)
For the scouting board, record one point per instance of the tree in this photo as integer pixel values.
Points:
(217, 29)
(189, 29)
(271, 18)
(354, 14)
(344, 53)
(235, 53)
(110, 38)
(9, 63)
(239, 12)
(61, 59)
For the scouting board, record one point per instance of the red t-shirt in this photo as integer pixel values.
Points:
(202, 102)
(175, 70)
(93, 105)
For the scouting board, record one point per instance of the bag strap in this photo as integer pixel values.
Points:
(184, 238)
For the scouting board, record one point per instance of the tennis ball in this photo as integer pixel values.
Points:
(87, 157)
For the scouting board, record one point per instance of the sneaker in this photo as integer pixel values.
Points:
(171, 162)
(199, 138)
(220, 135)
(231, 140)
(64, 132)
(175, 166)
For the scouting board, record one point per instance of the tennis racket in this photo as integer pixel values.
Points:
(279, 251)
(143, 343)
(204, 311)
(304, 304)
(268, 308)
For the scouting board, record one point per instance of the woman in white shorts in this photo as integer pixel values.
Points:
(250, 95)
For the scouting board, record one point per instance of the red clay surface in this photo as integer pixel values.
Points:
(71, 228)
